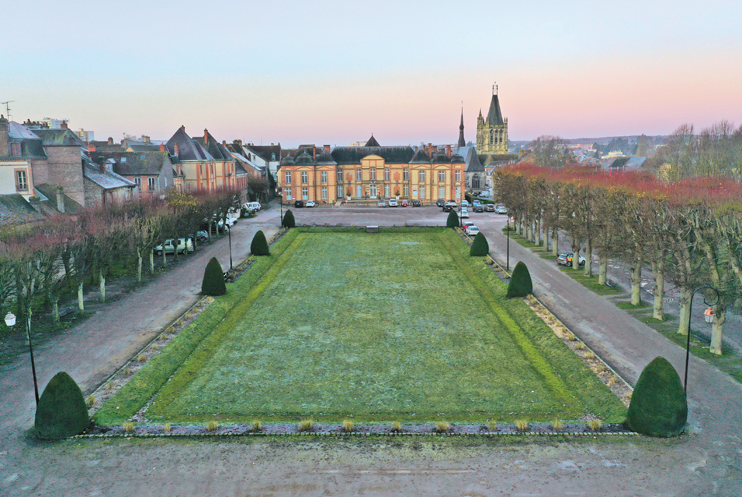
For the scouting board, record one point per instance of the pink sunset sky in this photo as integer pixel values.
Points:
(335, 72)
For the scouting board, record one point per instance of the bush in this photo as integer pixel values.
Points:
(479, 246)
(213, 283)
(62, 411)
(288, 220)
(520, 283)
(453, 220)
(658, 407)
(259, 245)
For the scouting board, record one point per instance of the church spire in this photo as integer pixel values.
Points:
(462, 142)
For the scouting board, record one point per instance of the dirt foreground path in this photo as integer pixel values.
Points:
(707, 461)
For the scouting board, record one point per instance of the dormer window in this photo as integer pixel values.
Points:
(15, 149)
(21, 180)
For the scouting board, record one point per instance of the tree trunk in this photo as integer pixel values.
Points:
(555, 242)
(636, 282)
(151, 262)
(685, 296)
(102, 286)
(55, 308)
(575, 254)
(546, 238)
(80, 302)
(67, 270)
(164, 255)
(717, 329)
(139, 265)
(537, 241)
(589, 258)
(659, 291)
(603, 271)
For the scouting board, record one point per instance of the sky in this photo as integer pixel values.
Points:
(335, 72)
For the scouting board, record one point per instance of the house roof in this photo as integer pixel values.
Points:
(215, 149)
(49, 191)
(134, 163)
(266, 152)
(241, 159)
(392, 155)
(372, 142)
(14, 208)
(31, 144)
(107, 180)
(472, 162)
(58, 138)
(494, 116)
(188, 149)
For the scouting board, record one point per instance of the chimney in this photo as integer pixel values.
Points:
(176, 150)
(430, 150)
(110, 140)
(109, 165)
(182, 127)
(145, 139)
(163, 148)
(314, 152)
(206, 136)
(238, 143)
(91, 147)
(327, 149)
(60, 199)
(448, 151)
(63, 125)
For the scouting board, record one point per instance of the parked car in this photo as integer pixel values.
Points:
(405, 202)
(464, 213)
(478, 208)
(451, 203)
(465, 203)
(472, 230)
(202, 235)
(566, 258)
(381, 203)
(252, 206)
(440, 203)
(310, 203)
(392, 202)
(416, 203)
(299, 203)
(466, 224)
(475, 202)
(501, 209)
(489, 207)
(184, 245)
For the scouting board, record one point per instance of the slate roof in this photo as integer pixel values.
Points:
(105, 179)
(49, 191)
(188, 149)
(420, 157)
(147, 147)
(14, 208)
(372, 142)
(58, 138)
(325, 158)
(213, 147)
(472, 162)
(134, 163)
(241, 159)
(441, 158)
(31, 144)
(392, 155)
(494, 116)
(304, 159)
(266, 151)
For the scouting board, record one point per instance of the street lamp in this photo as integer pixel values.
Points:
(229, 235)
(10, 321)
(507, 258)
(690, 310)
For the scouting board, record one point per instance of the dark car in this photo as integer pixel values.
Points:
(440, 203)
(478, 208)
(299, 203)
(416, 203)
(489, 207)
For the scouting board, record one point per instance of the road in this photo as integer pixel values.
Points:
(707, 461)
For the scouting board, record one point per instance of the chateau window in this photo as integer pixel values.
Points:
(406, 190)
(421, 176)
(386, 190)
(305, 193)
(288, 181)
(441, 177)
(372, 191)
(372, 173)
(386, 174)
(151, 184)
(324, 177)
(442, 192)
(340, 176)
(324, 193)
(15, 149)
(340, 191)
(458, 175)
(359, 174)
(304, 178)
(406, 175)
(21, 181)
(288, 193)
(422, 192)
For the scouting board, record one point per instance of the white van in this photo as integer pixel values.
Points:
(252, 206)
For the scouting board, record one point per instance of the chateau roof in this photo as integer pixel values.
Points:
(372, 142)
(392, 155)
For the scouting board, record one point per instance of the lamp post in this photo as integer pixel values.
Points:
(690, 311)
(10, 321)
(280, 201)
(507, 258)
(229, 235)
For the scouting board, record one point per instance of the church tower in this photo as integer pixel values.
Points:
(462, 142)
(492, 133)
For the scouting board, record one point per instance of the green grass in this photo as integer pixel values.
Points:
(628, 306)
(400, 325)
(591, 283)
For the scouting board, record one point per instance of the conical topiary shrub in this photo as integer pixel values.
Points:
(658, 407)
(213, 283)
(288, 219)
(61, 412)
(259, 245)
(453, 220)
(520, 282)
(479, 246)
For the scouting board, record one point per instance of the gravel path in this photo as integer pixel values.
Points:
(707, 461)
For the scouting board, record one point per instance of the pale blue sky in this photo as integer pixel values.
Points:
(297, 72)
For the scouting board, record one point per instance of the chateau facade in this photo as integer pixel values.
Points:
(372, 172)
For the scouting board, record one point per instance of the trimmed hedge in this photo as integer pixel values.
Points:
(62, 411)
(453, 220)
(213, 282)
(259, 245)
(288, 220)
(479, 246)
(520, 283)
(659, 407)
